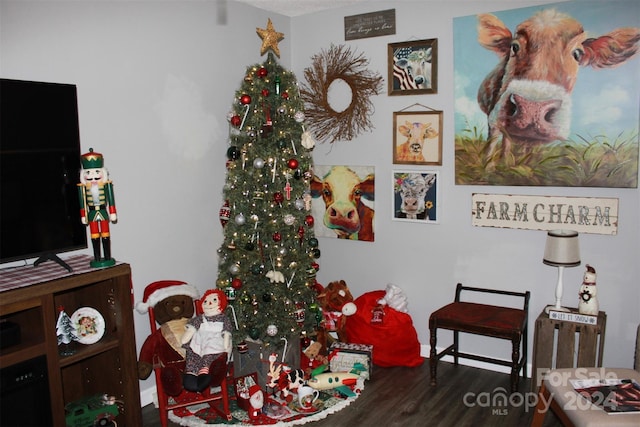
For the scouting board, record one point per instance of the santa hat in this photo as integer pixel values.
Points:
(254, 389)
(157, 291)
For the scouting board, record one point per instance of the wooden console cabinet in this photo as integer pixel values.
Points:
(30, 297)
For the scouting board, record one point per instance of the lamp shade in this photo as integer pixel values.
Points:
(562, 249)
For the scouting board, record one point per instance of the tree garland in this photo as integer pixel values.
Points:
(339, 63)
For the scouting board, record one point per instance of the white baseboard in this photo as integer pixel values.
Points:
(148, 396)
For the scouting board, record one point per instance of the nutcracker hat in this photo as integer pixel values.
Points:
(157, 291)
(92, 160)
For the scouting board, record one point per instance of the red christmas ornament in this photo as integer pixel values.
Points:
(277, 237)
(309, 220)
(301, 233)
(265, 92)
(236, 120)
(245, 99)
(225, 213)
(236, 283)
(293, 164)
(262, 72)
(315, 266)
(285, 95)
(299, 314)
(278, 197)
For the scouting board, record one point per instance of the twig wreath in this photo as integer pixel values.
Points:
(339, 63)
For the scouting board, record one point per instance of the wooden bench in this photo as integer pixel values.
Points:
(482, 319)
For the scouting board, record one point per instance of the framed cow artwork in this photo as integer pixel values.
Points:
(415, 196)
(343, 202)
(548, 95)
(417, 137)
(413, 67)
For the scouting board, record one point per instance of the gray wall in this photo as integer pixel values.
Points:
(155, 82)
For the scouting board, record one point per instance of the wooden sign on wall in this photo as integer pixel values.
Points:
(374, 24)
(581, 214)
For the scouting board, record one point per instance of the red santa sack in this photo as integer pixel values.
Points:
(395, 340)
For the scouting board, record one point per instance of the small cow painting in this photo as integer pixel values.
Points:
(417, 138)
(413, 67)
(415, 196)
(343, 196)
(548, 96)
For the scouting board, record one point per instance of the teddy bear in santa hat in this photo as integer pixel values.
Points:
(172, 303)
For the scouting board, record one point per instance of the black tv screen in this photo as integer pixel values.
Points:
(39, 170)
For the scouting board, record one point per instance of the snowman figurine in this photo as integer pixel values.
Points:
(588, 303)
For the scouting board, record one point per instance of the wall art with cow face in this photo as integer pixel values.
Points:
(417, 138)
(343, 202)
(415, 196)
(413, 67)
(548, 95)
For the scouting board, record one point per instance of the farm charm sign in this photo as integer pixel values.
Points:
(372, 24)
(581, 214)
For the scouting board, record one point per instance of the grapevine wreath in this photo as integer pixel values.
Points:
(339, 63)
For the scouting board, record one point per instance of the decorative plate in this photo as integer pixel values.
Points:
(317, 406)
(88, 324)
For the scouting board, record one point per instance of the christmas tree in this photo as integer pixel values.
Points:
(268, 259)
(66, 333)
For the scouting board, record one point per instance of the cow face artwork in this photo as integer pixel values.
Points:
(417, 137)
(416, 133)
(415, 196)
(413, 67)
(347, 211)
(548, 96)
(527, 96)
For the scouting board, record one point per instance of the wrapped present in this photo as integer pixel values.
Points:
(347, 357)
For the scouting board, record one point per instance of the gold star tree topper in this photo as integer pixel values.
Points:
(270, 38)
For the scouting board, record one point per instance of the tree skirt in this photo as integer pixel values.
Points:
(279, 413)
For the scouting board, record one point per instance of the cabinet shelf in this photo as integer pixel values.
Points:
(31, 297)
(21, 352)
(85, 352)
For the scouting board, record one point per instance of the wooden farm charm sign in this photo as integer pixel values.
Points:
(581, 214)
(372, 24)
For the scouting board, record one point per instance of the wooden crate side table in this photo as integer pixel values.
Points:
(563, 337)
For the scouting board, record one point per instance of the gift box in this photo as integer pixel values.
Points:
(241, 386)
(345, 357)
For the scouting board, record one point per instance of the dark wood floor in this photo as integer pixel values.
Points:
(402, 396)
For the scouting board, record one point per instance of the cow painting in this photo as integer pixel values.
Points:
(411, 191)
(527, 96)
(344, 193)
(416, 133)
(416, 69)
(548, 95)
(413, 67)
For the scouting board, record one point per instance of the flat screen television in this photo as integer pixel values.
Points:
(39, 171)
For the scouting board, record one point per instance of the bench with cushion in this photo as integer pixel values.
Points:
(482, 319)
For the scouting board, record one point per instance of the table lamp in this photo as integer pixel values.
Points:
(561, 250)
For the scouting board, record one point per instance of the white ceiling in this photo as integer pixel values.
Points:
(298, 7)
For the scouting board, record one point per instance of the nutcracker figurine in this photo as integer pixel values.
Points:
(97, 205)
